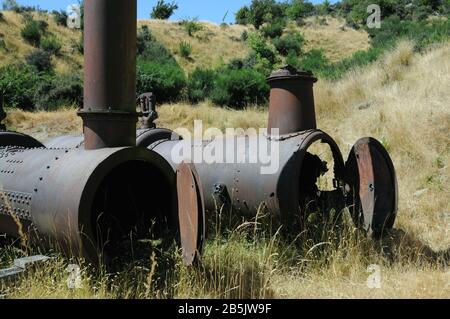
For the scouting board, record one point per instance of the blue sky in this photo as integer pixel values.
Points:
(211, 10)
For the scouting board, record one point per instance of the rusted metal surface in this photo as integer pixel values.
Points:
(147, 104)
(243, 187)
(144, 138)
(373, 187)
(291, 107)
(109, 113)
(90, 202)
(8, 138)
(190, 212)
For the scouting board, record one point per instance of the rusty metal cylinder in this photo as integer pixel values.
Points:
(291, 107)
(89, 202)
(243, 185)
(109, 112)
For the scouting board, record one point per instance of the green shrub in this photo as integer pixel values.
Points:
(31, 33)
(191, 26)
(239, 88)
(9, 4)
(2, 17)
(156, 52)
(243, 16)
(60, 17)
(62, 90)
(51, 45)
(291, 42)
(315, 61)
(185, 49)
(200, 84)
(163, 10)
(16, 85)
(167, 81)
(273, 30)
(40, 60)
(144, 37)
(262, 11)
(262, 49)
(300, 9)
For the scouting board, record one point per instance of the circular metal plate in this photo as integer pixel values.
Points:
(373, 183)
(190, 212)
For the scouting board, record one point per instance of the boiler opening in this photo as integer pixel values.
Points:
(131, 211)
(319, 190)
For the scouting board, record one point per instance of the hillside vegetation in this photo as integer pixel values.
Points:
(16, 48)
(212, 46)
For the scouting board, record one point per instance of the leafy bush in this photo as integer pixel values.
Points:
(291, 42)
(191, 26)
(200, 84)
(60, 17)
(262, 11)
(144, 37)
(32, 33)
(10, 4)
(239, 88)
(185, 49)
(163, 10)
(243, 16)
(40, 60)
(62, 90)
(16, 85)
(2, 17)
(422, 32)
(167, 81)
(262, 49)
(156, 52)
(51, 45)
(315, 61)
(300, 9)
(274, 30)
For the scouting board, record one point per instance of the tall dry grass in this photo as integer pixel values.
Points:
(402, 100)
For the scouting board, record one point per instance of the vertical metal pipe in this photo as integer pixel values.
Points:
(109, 111)
(291, 107)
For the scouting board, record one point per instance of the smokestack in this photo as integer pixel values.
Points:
(109, 111)
(291, 107)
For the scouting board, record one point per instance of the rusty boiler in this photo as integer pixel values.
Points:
(94, 200)
(365, 183)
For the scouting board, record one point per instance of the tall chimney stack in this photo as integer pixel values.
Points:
(291, 107)
(109, 111)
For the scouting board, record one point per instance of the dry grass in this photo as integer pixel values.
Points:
(211, 47)
(402, 100)
(69, 59)
(337, 41)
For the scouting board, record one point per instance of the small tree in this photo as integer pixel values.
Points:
(243, 16)
(163, 10)
(10, 4)
(32, 33)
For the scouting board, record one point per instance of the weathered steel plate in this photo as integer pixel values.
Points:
(373, 184)
(190, 212)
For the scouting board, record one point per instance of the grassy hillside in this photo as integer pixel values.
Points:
(402, 100)
(16, 48)
(212, 46)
